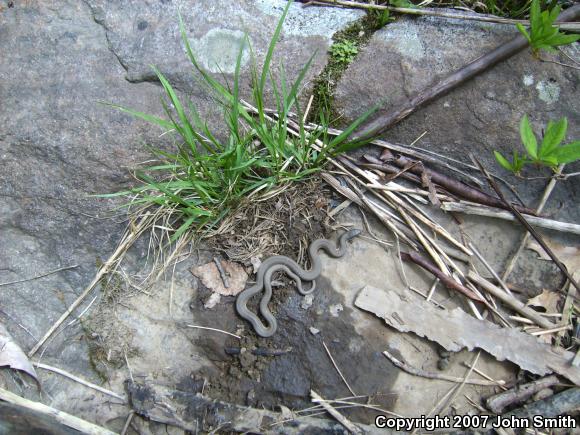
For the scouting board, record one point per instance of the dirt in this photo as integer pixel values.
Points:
(271, 381)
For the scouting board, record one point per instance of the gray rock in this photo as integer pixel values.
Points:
(480, 116)
(58, 145)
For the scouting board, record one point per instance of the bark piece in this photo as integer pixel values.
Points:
(455, 330)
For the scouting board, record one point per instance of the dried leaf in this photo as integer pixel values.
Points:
(211, 278)
(568, 255)
(455, 329)
(547, 300)
(12, 356)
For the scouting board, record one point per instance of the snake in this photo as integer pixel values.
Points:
(281, 263)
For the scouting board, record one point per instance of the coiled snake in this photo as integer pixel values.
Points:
(282, 263)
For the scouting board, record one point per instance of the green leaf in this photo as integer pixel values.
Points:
(269, 54)
(568, 153)
(524, 32)
(528, 137)
(167, 125)
(555, 133)
(503, 161)
(535, 16)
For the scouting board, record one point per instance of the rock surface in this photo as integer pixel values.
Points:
(481, 115)
(58, 58)
(58, 145)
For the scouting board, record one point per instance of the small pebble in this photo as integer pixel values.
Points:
(307, 302)
(314, 331)
(443, 364)
(335, 309)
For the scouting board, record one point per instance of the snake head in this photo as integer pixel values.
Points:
(352, 233)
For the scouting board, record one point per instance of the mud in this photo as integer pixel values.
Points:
(287, 379)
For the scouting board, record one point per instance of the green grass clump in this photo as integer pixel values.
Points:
(206, 179)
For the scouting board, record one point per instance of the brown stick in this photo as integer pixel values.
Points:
(442, 377)
(454, 186)
(526, 224)
(447, 280)
(511, 301)
(499, 402)
(385, 120)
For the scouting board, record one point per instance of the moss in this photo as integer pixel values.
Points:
(357, 35)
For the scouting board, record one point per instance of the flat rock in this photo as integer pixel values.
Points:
(481, 115)
(58, 145)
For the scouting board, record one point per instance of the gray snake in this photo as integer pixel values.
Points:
(294, 271)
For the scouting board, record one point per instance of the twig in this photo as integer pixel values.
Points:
(24, 328)
(80, 381)
(62, 417)
(127, 422)
(438, 13)
(337, 369)
(547, 192)
(551, 331)
(511, 301)
(439, 376)
(489, 268)
(222, 272)
(558, 63)
(525, 223)
(433, 301)
(476, 209)
(39, 276)
(500, 384)
(316, 398)
(448, 281)
(460, 386)
(451, 184)
(499, 402)
(214, 329)
(429, 94)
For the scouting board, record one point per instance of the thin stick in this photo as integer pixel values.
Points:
(489, 268)
(214, 329)
(448, 281)
(307, 111)
(385, 120)
(68, 420)
(500, 384)
(222, 272)
(439, 376)
(316, 398)
(547, 192)
(525, 223)
(39, 276)
(476, 209)
(337, 369)
(128, 239)
(79, 380)
(511, 301)
(432, 289)
(127, 422)
(460, 387)
(551, 331)
(433, 301)
(437, 13)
